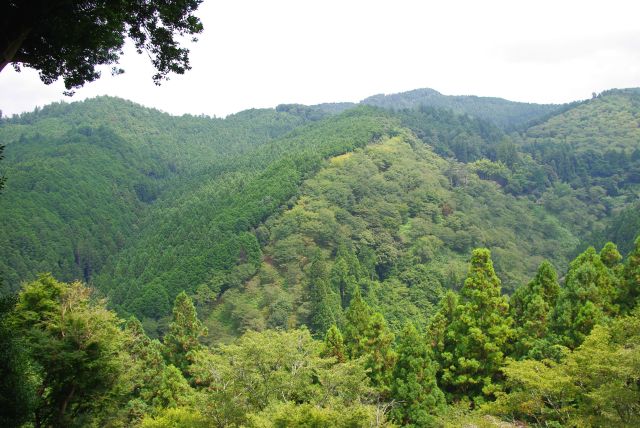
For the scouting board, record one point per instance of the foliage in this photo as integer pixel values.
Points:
(86, 177)
(185, 331)
(357, 321)
(69, 39)
(180, 417)
(262, 368)
(227, 249)
(622, 229)
(155, 385)
(597, 384)
(307, 415)
(67, 343)
(631, 291)
(504, 113)
(380, 357)
(78, 347)
(326, 306)
(273, 229)
(592, 147)
(334, 345)
(414, 382)
(478, 336)
(593, 125)
(2, 177)
(309, 206)
(18, 380)
(531, 308)
(588, 298)
(392, 221)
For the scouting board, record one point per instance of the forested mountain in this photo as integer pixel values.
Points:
(501, 112)
(609, 122)
(398, 221)
(191, 203)
(205, 233)
(509, 115)
(84, 175)
(354, 223)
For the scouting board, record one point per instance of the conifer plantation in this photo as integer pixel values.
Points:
(411, 260)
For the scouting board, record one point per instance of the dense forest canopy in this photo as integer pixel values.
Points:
(506, 114)
(68, 38)
(417, 259)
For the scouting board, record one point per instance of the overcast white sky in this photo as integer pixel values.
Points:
(262, 53)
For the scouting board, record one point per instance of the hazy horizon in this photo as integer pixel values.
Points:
(69, 100)
(258, 55)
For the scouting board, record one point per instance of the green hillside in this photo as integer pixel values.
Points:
(331, 265)
(593, 148)
(83, 176)
(389, 219)
(501, 112)
(195, 203)
(609, 122)
(204, 232)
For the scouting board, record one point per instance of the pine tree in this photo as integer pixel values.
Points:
(478, 337)
(531, 307)
(334, 345)
(414, 385)
(440, 321)
(367, 335)
(149, 374)
(587, 298)
(357, 319)
(610, 255)
(343, 280)
(378, 349)
(185, 331)
(79, 350)
(325, 303)
(631, 284)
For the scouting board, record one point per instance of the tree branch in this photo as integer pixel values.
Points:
(12, 48)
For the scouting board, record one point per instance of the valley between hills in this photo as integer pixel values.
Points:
(414, 259)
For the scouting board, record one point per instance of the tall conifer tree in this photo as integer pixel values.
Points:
(414, 385)
(334, 344)
(631, 288)
(185, 331)
(532, 307)
(357, 319)
(325, 302)
(378, 349)
(478, 337)
(587, 299)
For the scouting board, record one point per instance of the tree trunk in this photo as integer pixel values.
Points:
(65, 403)
(11, 49)
(37, 422)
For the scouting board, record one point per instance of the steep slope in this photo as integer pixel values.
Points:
(610, 122)
(83, 175)
(397, 221)
(285, 224)
(202, 232)
(592, 152)
(255, 213)
(391, 220)
(501, 112)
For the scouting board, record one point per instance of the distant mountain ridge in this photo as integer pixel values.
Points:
(144, 205)
(508, 115)
(504, 113)
(609, 121)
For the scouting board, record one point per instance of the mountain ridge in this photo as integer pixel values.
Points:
(200, 191)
